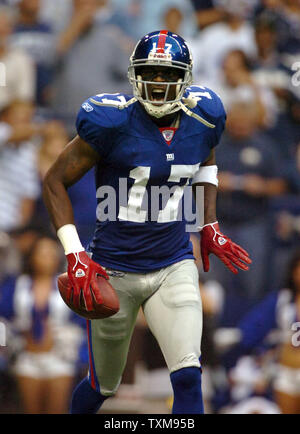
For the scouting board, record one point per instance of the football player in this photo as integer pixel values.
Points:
(162, 135)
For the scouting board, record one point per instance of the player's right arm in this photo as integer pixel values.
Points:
(76, 159)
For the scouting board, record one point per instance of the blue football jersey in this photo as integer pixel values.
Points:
(140, 179)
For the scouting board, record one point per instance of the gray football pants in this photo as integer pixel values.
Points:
(171, 302)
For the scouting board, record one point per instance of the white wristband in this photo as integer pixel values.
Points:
(206, 174)
(69, 238)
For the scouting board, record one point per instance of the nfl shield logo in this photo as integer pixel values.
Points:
(221, 241)
(168, 135)
(87, 107)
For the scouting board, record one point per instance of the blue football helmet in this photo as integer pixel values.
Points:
(164, 49)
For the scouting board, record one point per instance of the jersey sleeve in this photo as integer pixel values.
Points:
(95, 126)
(210, 108)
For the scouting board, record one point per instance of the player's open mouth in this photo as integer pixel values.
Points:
(158, 94)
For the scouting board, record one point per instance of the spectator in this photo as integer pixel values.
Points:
(269, 71)
(250, 384)
(249, 177)
(277, 312)
(286, 214)
(268, 62)
(9, 261)
(286, 14)
(206, 13)
(151, 16)
(287, 379)
(173, 20)
(46, 366)
(272, 5)
(254, 405)
(91, 60)
(56, 12)
(238, 84)
(290, 12)
(54, 139)
(37, 39)
(213, 43)
(122, 13)
(19, 185)
(17, 73)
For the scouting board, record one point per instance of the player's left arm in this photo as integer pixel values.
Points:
(212, 239)
(210, 190)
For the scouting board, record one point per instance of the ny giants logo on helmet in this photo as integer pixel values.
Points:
(165, 56)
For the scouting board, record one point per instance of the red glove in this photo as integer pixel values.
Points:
(82, 272)
(213, 241)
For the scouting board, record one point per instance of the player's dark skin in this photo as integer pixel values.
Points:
(79, 157)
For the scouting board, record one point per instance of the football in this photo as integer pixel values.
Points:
(109, 307)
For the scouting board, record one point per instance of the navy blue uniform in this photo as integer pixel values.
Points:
(132, 148)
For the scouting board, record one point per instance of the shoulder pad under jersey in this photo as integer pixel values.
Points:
(205, 106)
(99, 115)
(205, 103)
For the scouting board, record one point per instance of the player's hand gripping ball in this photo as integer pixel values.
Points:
(85, 288)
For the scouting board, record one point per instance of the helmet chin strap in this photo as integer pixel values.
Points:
(164, 110)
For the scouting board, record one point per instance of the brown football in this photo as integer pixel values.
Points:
(110, 304)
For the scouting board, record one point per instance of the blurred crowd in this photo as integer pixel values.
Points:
(53, 55)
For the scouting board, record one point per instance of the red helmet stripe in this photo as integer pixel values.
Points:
(161, 41)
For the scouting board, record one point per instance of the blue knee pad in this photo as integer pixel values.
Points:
(186, 383)
(85, 400)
